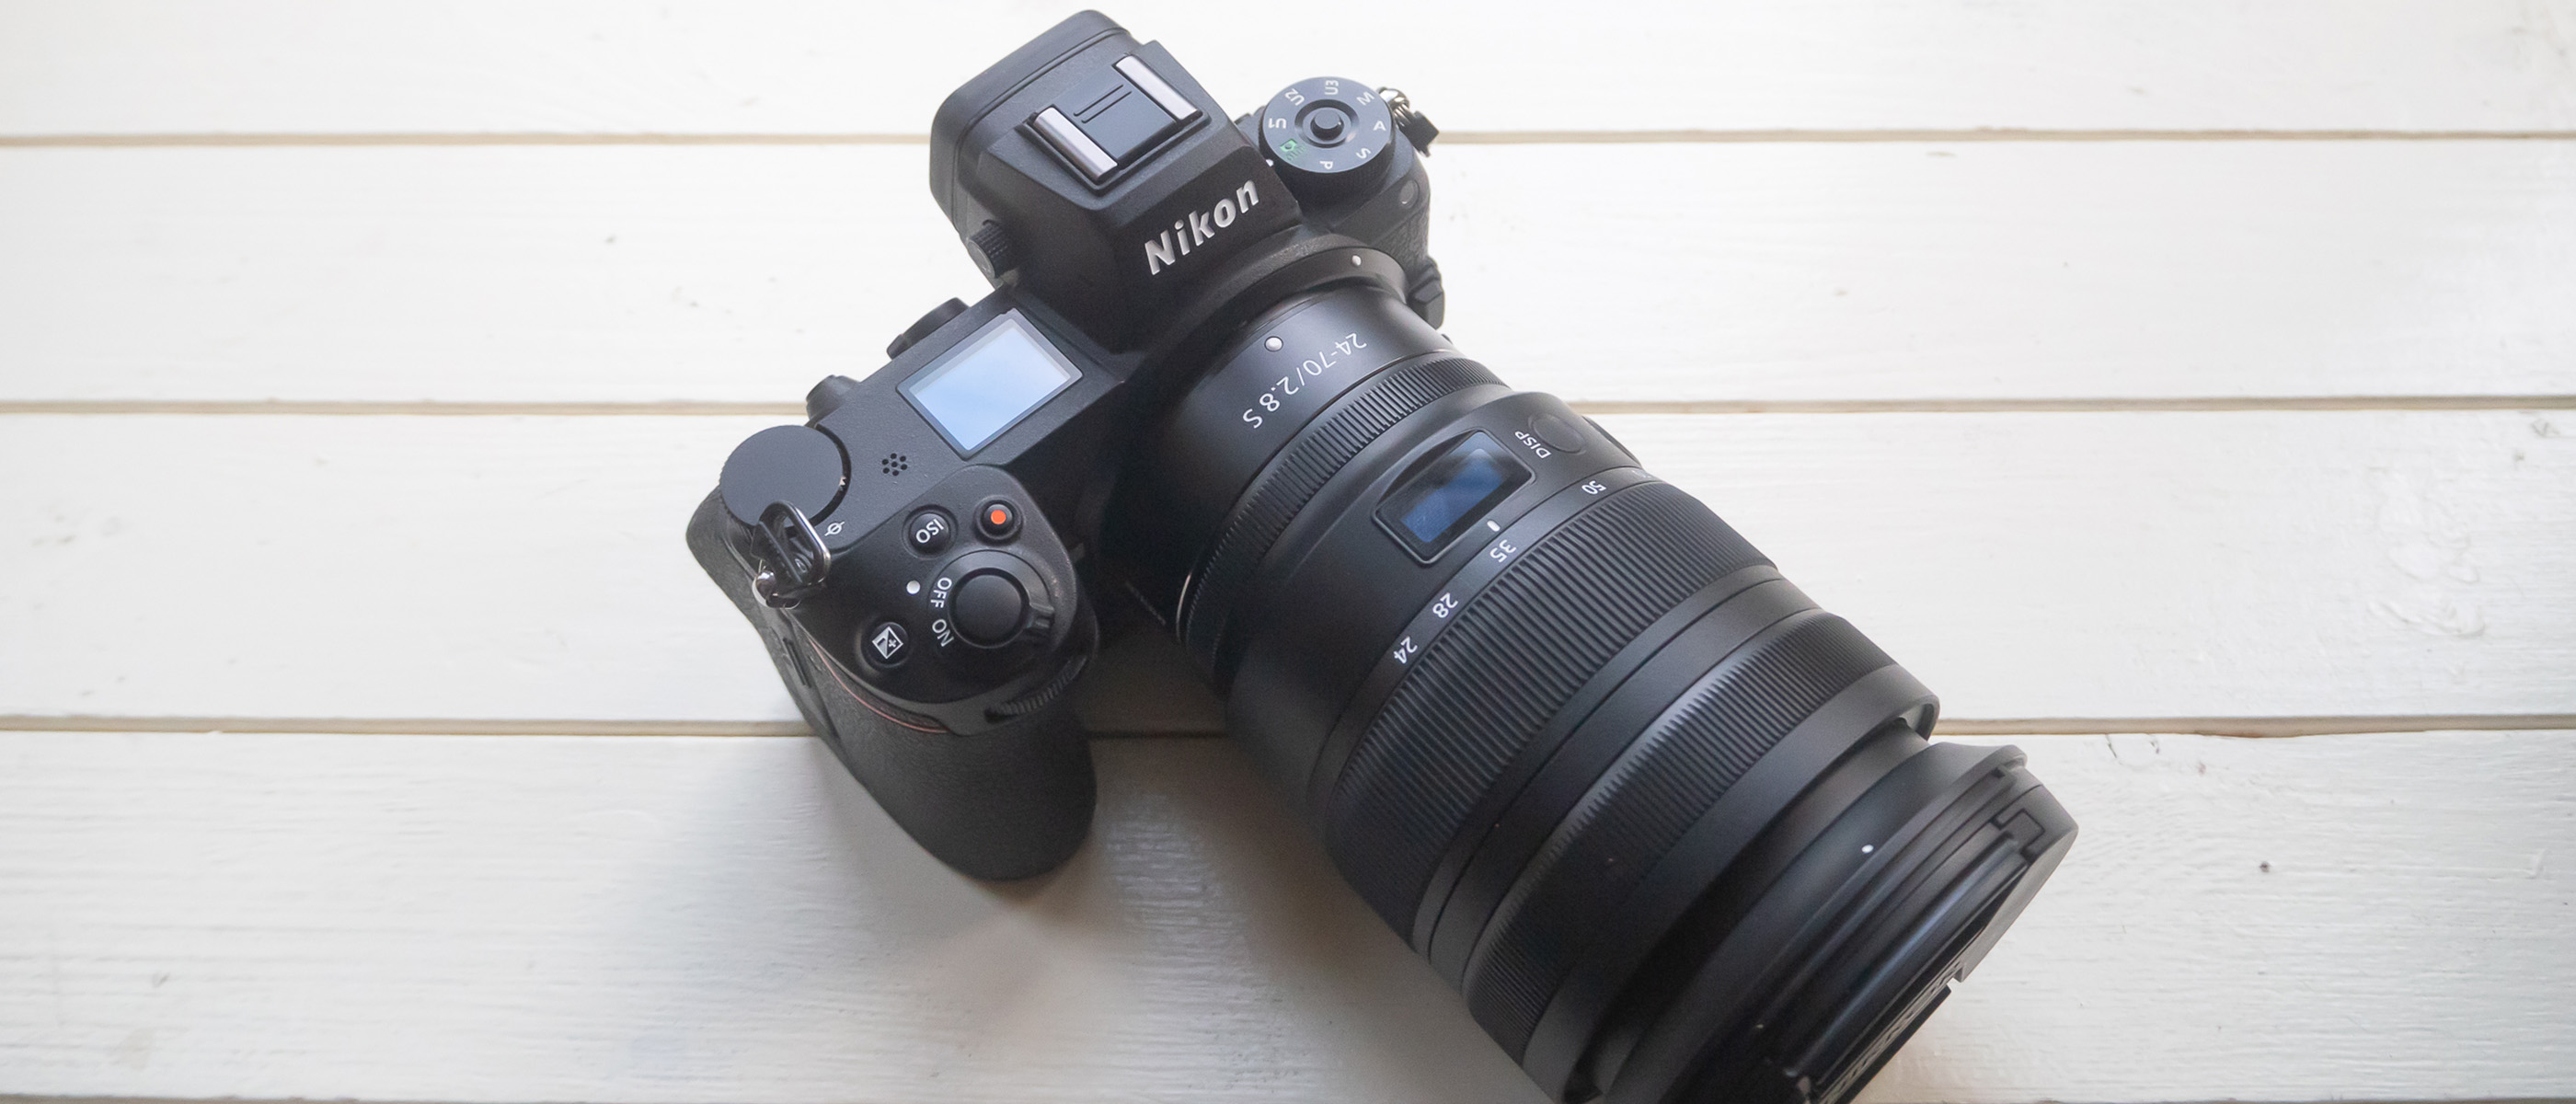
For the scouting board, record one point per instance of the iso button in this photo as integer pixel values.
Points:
(929, 531)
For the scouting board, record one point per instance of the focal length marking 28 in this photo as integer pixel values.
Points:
(1499, 553)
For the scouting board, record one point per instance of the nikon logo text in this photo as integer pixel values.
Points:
(1195, 230)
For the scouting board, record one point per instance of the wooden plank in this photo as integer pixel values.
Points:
(2104, 565)
(278, 66)
(1923, 274)
(695, 919)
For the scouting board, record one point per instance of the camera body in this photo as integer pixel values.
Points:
(1673, 831)
(924, 556)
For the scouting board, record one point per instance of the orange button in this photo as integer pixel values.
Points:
(998, 520)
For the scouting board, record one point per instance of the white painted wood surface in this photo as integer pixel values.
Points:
(2194, 398)
(2103, 565)
(695, 919)
(807, 66)
(1735, 273)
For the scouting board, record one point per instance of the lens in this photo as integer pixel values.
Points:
(1673, 831)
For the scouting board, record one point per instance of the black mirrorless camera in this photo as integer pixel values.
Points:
(1673, 831)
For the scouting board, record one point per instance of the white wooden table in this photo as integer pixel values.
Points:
(2185, 389)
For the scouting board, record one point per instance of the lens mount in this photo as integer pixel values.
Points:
(1223, 439)
(1319, 452)
(1264, 278)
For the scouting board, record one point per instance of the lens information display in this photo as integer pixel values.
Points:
(1439, 501)
(1505, 540)
(989, 381)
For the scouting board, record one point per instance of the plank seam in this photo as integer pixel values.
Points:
(408, 1099)
(1790, 135)
(719, 408)
(2257, 727)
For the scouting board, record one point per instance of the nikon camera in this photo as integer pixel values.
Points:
(1673, 832)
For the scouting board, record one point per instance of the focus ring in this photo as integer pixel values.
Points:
(1517, 653)
(1679, 766)
(1292, 479)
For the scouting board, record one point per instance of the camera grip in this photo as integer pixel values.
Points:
(1010, 801)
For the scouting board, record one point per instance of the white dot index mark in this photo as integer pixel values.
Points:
(1866, 848)
(913, 587)
(1273, 344)
(1493, 525)
(1355, 258)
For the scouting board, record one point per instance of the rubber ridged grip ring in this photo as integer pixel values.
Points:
(1518, 652)
(1292, 479)
(1640, 807)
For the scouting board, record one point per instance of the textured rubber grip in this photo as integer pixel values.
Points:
(1291, 480)
(1517, 653)
(1638, 809)
(1009, 802)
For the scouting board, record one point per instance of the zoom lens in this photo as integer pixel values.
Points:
(1673, 831)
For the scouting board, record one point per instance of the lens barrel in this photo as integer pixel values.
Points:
(1673, 831)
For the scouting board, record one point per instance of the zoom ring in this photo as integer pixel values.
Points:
(1639, 808)
(1320, 452)
(1517, 653)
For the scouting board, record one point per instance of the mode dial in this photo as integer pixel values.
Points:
(1328, 136)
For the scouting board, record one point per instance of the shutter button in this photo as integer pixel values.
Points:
(989, 609)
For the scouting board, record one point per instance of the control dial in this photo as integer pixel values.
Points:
(1328, 136)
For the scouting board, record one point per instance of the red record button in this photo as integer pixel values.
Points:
(997, 520)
